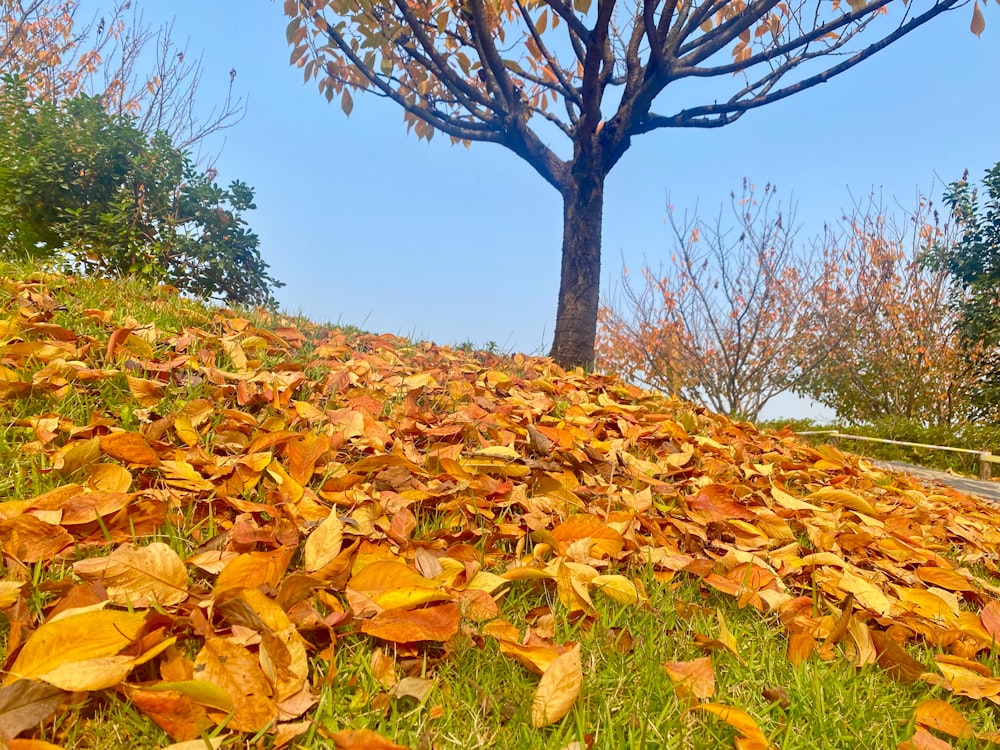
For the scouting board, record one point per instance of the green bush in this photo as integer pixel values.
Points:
(86, 188)
(974, 264)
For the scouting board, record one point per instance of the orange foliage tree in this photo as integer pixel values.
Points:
(494, 70)
(902, 358)
(742, 312)
(44, 43)
(856, 320)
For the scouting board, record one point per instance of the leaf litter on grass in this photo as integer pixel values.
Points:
(320, 485)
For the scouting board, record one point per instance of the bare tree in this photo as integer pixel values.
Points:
(743, 312)
(135, 68)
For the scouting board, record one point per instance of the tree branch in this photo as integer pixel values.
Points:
(717, 115)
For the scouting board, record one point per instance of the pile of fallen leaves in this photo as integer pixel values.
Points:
(369, 485)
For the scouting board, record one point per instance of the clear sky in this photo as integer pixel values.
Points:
(369, 226)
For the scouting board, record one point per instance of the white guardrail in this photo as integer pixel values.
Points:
(986, 458)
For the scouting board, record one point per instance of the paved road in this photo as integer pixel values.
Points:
(988, 490)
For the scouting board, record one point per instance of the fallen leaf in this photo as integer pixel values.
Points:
(237, 672)
(81, 651)
(694, 678)
(923, 740)
(324, 543)
(939, 715)
(363, 739)
(740, 720)
(557, 689)
(138, 576)
(25, 704)
(435, 623)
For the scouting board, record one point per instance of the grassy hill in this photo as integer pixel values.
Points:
(248, 530)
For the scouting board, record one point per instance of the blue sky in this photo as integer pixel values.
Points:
(371, 227)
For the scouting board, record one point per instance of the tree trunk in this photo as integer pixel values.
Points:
(579, 283)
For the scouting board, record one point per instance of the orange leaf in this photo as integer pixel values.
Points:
(945, 578)
(363, 739)
(129, 448)
(939, 715)
(438, 623)
(894, 659)
(923, 740)
(28, 539)
(991, 618)
(147, 393)
(695, 678)
(741, 721)
(253, 569)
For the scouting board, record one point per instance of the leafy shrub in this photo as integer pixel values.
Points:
(85, 187)
(974, 264)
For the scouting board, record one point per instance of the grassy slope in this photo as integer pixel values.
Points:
(413, 515)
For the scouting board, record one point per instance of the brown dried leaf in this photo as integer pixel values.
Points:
(25, 704)
(138, 576)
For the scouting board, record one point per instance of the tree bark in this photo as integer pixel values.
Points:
(579, 284)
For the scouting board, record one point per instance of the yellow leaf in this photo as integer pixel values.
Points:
(533, 658)
(725, 637)
(393, 585)
(109, 477)
(859, 646)
(844, 497)
(619, 588)
(572, 580)
(558, 689)
(324, 543)
(8, 592)
(80, 650)
(866, 593)
(147, 393)
(789, 501)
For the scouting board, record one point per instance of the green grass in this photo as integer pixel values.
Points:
(482, 699)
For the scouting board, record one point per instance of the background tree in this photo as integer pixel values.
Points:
(973, 262)
(743, 312)
(493, 70)
(132, 67)
(85, 186)
(902, 358)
